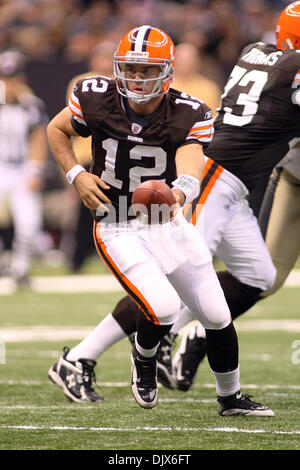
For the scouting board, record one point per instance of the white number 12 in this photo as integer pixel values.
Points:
(136, 173)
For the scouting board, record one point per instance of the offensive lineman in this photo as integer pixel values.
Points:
(268, 123)
(272, 75)
(142, 130)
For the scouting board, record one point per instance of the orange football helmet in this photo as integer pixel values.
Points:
(288, 27)
(145, 45)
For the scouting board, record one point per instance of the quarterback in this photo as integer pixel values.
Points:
(257, 122)
(142, 129)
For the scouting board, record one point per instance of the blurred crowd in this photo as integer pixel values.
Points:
(50, 29)
(61, 40)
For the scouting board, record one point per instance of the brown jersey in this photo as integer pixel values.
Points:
(127, 148)
(258, 116)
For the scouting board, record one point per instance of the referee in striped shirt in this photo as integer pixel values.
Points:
(23, 153)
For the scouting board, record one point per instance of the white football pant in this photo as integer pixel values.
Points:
(26, 211)
(162, 266)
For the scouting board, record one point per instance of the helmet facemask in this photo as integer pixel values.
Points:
(287, 40)
(160, 83)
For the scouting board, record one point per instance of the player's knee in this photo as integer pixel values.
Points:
(277, 284)
(269, 277)
(213, 309)
(167, 308)
(217, 320)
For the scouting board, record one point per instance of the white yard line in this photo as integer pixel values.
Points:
(59, 333)
(43, 333)
(146, 428)
(47, 407)
(31, 383)
(291, 326)
(91, 283)
(66, 284)
(86, 406)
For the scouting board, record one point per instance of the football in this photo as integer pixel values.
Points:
(152, 200)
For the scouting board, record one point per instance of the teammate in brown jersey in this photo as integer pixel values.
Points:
(257, 124)
(259, 105)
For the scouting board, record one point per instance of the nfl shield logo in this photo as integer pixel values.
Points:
(136, 128)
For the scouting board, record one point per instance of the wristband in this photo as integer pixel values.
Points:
(189, 185)
(71, 175)
(296, 97)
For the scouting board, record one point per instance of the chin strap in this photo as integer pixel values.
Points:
(136, 98)
(289, 43)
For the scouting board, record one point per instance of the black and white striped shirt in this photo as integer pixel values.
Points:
(17, 120)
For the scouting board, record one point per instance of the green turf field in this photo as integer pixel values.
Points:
(36, 415)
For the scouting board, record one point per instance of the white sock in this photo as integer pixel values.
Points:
(227, 383)
(201, 333)
(145, 352)
(105, 335)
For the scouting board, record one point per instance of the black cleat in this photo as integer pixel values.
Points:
(241, 405)
(75, 378)
(165, 373)
(143, 379)
(191, 352)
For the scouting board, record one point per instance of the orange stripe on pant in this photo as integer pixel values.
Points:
(210, 184)
(129, 287)
(210, 175)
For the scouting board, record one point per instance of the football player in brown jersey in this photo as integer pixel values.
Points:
(261, 101)
(142, 130)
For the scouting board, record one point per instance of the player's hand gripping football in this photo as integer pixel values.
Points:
(88, 187)
(180, 198)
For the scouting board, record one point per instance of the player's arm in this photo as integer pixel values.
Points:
(190, 163)
(60, 132)
(189, 158)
